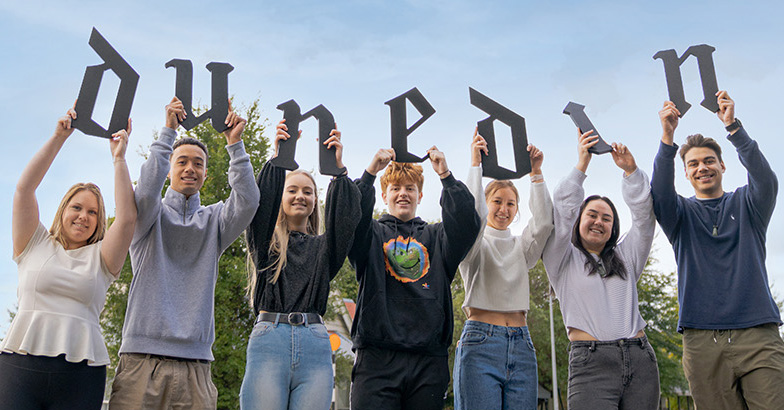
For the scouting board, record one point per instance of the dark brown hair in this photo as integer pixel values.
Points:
(612, 263)
(698, 141)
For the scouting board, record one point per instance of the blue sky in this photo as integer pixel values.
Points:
(352, 56)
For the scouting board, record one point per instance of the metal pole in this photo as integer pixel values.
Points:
(552, 354)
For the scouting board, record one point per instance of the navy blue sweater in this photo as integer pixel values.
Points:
(722, 279)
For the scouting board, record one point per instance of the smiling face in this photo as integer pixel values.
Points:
(596, 223)
(704, 170)
(80, 219)
(299, 198)
(188, 169)
(402, 199)
(502, 208)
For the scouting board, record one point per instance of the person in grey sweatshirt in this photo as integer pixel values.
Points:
(169, 324)
(594, 272)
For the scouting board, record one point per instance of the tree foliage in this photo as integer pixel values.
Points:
(233, 315)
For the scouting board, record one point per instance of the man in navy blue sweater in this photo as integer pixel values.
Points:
(733, 354)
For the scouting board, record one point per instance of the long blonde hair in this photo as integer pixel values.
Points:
(279, 244)
(57, 225)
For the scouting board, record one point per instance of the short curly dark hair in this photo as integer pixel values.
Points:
(193, 141)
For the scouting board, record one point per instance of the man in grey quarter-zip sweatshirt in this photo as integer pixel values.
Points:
(169, 325)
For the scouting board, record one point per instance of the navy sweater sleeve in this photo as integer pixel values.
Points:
(461, 223)
(666, 202)
(763, 185)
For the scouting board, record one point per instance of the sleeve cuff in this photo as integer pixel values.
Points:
(368, 178)
(449, 181)
(167, 135)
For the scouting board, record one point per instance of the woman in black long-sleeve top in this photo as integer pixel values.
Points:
(289, 357)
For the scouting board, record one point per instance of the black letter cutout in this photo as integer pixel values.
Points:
(220, 93)
(93, 75)
(516, 123)
(672, 72)
(287, 149)
(577, 113)
(400, 133)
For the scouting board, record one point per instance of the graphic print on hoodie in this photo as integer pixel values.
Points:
(406, 259)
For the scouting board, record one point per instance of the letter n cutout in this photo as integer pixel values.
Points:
(516, 123)
(88, 94)
(672, 73)
(287, 149)
(219, 108)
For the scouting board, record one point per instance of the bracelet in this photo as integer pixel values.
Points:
(118, 160)
(537, 178)
(444, 173)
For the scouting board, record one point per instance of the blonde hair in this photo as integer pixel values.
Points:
(279, 244)
(402, 172)
(57, 225)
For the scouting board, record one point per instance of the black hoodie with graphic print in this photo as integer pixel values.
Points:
(405, 270)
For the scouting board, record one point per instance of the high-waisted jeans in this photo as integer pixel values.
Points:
(287, 367)
(495, 368)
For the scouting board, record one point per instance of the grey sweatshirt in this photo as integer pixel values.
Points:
(605, 308)
(174, 256)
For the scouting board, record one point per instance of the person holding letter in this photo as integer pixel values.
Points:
(733, 354)
(169, 326)
(403, 325)
(594, 274)
(495, 274)
(289, 363)
(54, 356)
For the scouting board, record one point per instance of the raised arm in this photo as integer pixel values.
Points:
(154, 170)
(358, 253)
(460, 220)
(763, 185)
(665, 200)
(474, 184)
(636, 245)
(240, 207)
(25, 218)
(342, 210)
(118, 238)
(541, 225)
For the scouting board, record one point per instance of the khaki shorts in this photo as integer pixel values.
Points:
(152, 382)
(735, 369)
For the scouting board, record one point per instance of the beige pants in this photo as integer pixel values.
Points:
(145, 382)
(735, 369)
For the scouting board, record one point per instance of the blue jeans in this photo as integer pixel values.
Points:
(287, 367)
(495, 368)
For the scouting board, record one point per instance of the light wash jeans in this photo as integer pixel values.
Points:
(287, 367)
(495, 368)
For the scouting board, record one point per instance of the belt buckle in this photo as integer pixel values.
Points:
(293, 315)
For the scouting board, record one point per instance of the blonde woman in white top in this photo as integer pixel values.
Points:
(54, 356)
(495, 363)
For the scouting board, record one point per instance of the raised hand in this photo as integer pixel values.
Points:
(585, 141)
(537, 158)
(668, 116)
(438, 161)
(726, 111)
(236, 125)
(382, 158)
(478, 146)
(281, 134)
(119, 142)
(64, 128)
(623, 158)
(175, 113)
(334, 141)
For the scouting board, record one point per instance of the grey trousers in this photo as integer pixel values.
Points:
(618, 374)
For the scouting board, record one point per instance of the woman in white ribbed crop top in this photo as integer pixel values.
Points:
(53, 353)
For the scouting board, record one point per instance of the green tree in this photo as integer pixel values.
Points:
(233, 315)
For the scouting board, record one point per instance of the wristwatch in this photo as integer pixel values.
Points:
(734, 126)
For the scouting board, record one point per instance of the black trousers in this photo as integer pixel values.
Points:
(49, 383)
(394, 380)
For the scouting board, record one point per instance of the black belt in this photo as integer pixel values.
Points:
(175, 359)
(293, 318)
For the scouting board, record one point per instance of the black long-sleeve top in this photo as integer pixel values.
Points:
(312, 260)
